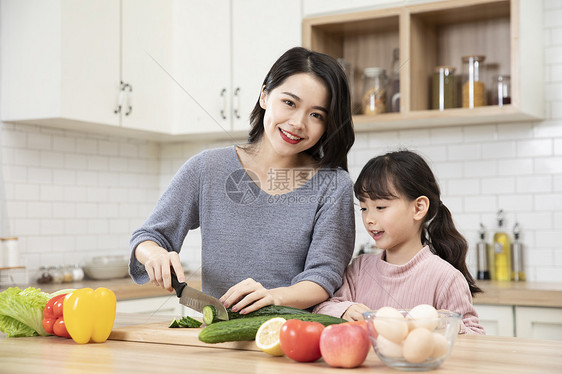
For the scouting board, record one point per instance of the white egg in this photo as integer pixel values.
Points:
(440, 345)
(423, 315)
(388, 348)
(391, 324)
(418, 345)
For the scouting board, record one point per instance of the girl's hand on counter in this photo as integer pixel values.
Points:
(247, 296)
(355, 312)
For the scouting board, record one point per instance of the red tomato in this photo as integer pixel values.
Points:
(300, 340)
(59, 328)
(48, 311)
(48, 325)
(57, 307)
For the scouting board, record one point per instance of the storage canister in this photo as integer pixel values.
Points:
(473, 89)
(10, 252)
(348, 70)
(374, 91)
(443, 87)
(501, 90)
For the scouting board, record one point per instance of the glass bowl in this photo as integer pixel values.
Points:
(405, 343)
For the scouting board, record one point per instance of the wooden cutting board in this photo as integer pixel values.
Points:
(159, 332)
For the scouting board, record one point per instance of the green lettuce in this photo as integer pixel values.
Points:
(14, 328)
(21, 312)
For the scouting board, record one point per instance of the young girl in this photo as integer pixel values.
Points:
(274, 213)
(423, 261)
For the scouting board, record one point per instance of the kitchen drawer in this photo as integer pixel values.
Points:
(497, 320)
(538, 323)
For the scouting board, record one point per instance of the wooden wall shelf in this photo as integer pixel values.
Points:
(440, 33)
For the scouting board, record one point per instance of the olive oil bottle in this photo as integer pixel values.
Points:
(502, 252)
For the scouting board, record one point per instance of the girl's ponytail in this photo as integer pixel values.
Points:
(448, 243)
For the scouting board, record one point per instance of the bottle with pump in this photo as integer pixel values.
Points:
(482, 255)
(517, 264)
(502, 252)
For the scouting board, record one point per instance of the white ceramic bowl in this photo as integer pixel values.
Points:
(107, 267)
(401, 353)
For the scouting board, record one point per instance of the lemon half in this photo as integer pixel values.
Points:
(267, 337)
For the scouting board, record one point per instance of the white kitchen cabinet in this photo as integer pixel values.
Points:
(497, 320)
(538, 323)
(63, 63)
(146, 49)
(223, 53)
(311, 7)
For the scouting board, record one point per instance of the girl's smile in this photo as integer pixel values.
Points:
(377, 235)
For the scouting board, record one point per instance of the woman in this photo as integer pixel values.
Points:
(276, 214)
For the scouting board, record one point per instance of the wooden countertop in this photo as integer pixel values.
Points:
(495, 292)
(471, 354)
(520, 293)
(124, 288)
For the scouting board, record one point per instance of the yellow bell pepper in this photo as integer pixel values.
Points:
(89, 314)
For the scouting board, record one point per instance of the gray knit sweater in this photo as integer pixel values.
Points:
(278, 240)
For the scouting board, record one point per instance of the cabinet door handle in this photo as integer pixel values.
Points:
(129, 89)
(119, 99)
(237, 107)
(223, 110)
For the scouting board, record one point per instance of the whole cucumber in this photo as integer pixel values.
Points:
(246, 328)
(210, 312)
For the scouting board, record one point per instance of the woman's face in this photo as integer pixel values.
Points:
(295, 114)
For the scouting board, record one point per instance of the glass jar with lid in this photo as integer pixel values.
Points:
(473, 88)
(501, 90)
(444, 88)
(375, 84)
(348, 70)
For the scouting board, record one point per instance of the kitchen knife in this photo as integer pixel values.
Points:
(196, 300)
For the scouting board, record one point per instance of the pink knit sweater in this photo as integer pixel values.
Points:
(425, 279)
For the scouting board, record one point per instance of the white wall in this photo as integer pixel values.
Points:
(70, 195)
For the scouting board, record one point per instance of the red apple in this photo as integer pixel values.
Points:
(344, 345)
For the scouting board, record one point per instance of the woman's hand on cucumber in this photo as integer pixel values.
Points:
(247, 296)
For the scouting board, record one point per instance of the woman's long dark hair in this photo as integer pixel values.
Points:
(407, 174)
(332, 148)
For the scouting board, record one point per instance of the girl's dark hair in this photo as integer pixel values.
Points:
(332, 148)
(405, 173)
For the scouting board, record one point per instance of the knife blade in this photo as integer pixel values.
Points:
(196, 300)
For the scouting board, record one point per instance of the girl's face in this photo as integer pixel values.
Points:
(295, 114)
(394, 224)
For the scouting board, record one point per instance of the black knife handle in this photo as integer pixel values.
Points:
(178, 286)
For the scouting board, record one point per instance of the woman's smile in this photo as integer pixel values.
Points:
(289, 137)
